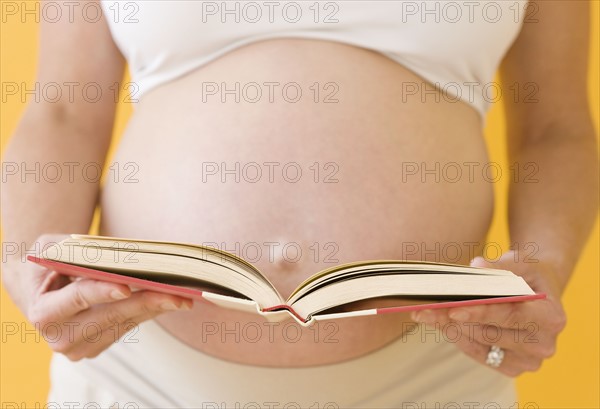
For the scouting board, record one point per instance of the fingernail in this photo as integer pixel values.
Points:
(169, 306)
(186, 305)
(425, 316)
(118, 295)
(476, 260)
(459, 315)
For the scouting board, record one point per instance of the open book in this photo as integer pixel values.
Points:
(222, 278)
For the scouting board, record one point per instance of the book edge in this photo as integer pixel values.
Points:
(206, 296)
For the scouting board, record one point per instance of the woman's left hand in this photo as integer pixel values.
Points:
(525, 331)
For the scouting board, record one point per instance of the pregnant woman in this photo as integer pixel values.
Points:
(319, 133)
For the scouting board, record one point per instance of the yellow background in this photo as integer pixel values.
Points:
(568, 380)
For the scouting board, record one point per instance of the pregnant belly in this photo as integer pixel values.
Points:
(330, 165)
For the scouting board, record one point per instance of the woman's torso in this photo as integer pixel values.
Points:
(378, 181)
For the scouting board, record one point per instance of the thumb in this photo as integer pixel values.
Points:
(479, 262)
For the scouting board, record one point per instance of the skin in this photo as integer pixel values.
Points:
(303, 212)
(556, 133)
(548, 133)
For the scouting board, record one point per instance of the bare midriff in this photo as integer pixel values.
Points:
(352, 169)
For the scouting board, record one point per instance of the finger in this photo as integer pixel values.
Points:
(527, 342)
(517, 315)
(473, 343)
(513, 364)
(54, 281)
(76, 297)
(93, 343)
(32, 275)
(506, 315)
(90, 325)
(431, 317)
(140, 303)
(124, 332)
(532, 340)
(43, 243)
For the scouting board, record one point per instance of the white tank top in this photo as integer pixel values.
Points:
(454, 45)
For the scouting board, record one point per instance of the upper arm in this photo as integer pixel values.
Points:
(81, 57)
(546, 72)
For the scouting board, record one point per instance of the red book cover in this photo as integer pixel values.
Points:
(199, 295)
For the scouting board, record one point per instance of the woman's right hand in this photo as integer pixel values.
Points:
(80, 318)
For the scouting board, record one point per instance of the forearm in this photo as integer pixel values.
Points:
(553, 213)
(44, 186)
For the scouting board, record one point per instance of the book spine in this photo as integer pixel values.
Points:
(289, 309)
